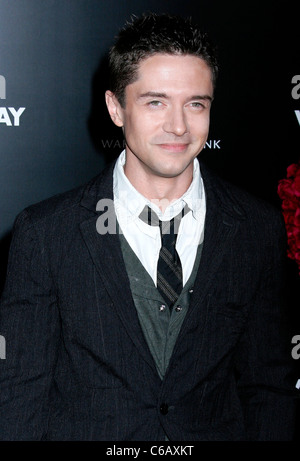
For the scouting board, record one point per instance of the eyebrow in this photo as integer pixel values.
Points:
(156, 94)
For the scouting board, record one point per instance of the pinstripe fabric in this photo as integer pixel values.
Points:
(78, 366)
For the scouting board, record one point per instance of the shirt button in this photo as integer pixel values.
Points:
(164, 409)
(191, 290)
(178, 308)
(162, 307)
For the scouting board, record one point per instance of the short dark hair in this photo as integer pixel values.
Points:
(150, 34)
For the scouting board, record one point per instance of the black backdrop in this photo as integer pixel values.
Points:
(53, 64)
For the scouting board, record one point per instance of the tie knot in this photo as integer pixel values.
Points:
(166, 227)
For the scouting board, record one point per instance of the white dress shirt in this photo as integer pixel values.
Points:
(144, 239)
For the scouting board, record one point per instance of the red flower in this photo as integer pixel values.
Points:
(289, 192)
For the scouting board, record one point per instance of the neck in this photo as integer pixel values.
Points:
(161, 190)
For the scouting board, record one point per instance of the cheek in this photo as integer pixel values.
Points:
(141, 128)
(200, 127)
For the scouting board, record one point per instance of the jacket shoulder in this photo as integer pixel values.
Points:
(240, 201)
(66, 203)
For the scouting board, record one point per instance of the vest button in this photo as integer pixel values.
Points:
(164, 409)
(178, 308)
(162, 307)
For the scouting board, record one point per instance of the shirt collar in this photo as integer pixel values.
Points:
(130, 203)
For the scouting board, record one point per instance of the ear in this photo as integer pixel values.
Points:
(114, 108)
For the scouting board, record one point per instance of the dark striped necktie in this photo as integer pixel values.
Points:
(169, 270)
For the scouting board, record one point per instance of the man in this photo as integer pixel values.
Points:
(113, 333)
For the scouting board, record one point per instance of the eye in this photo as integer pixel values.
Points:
(154, 103)
(197, 105)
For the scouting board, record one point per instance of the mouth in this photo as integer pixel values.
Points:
(173, 147)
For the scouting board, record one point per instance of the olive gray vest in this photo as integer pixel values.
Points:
(160, 326)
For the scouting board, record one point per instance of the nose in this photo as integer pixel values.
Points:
(175, 121)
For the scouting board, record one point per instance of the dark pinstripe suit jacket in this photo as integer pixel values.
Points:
(77, 365)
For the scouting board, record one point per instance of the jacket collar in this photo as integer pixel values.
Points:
(101, 186)
(217, 193)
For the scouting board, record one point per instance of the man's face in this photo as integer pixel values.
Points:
(166, 115)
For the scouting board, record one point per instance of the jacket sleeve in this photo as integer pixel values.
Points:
(265, 368)
(29, 323)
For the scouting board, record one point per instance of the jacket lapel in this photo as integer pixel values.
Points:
(221, 224)
(106, 254)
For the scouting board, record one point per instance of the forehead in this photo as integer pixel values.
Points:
(174, 71)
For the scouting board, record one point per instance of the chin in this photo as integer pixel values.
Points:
(171, 172)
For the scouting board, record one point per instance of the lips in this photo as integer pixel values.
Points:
(174, 147)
